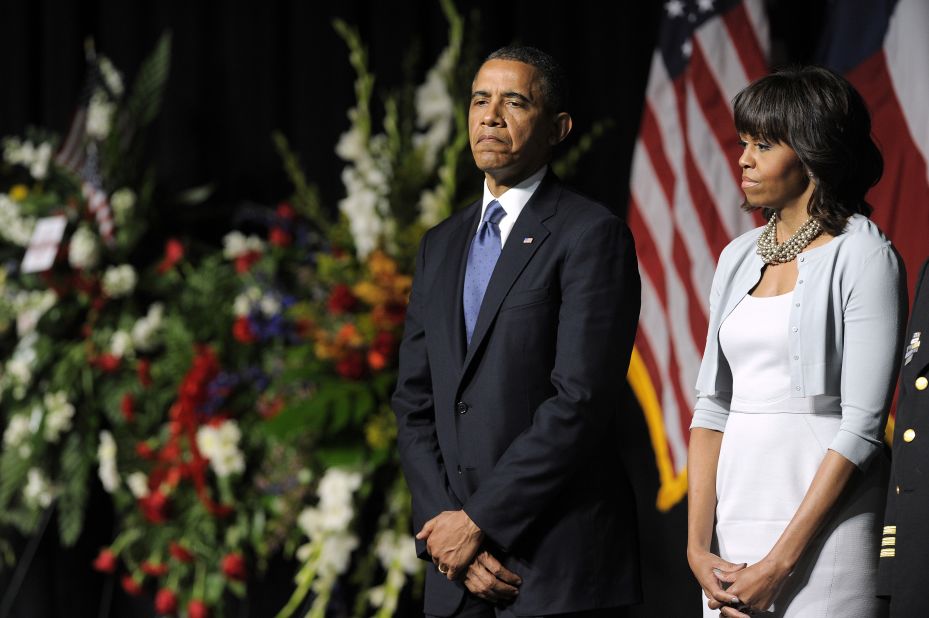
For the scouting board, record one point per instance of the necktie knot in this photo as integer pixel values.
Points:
(494, 213)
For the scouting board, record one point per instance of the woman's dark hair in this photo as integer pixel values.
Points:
(825, 121)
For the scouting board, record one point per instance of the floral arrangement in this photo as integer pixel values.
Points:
(233, 402)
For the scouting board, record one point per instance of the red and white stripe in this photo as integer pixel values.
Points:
(685, 199)
(893, 82)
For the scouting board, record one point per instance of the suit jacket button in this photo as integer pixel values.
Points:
(898, 489)
(462, 407)
(921, 383)
(459, 469)
(909, 435)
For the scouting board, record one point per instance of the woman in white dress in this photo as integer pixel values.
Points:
(806, 317)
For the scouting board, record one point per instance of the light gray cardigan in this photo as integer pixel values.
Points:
(846, 329)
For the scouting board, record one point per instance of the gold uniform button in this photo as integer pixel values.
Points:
(909, 435)
(921, 383)
(898, 489)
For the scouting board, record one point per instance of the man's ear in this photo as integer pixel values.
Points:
(563, 124)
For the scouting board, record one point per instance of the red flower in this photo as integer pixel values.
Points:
(127, 407)
(233, 566)
(131, 585)
(285, 211)
(143, 450)
(165, 601)
(242, 331)
(155, 507)
(341, 300)
(179, 552)
(244, 262)
(105, 561)
(351, 366)
(144, 371)
(197, 609)
(174, 253)
(389, 314)
(155, 569)
(108, 363)
(279, 237)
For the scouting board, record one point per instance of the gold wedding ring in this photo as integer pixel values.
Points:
(443, 569)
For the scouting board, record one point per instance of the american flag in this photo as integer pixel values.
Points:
(881, 47)
(684, 206)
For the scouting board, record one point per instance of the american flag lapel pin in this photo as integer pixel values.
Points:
(527, 240)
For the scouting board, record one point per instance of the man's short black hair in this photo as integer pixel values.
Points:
(553, 77)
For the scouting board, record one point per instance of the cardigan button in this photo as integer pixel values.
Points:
(909, 435)
(921, 383)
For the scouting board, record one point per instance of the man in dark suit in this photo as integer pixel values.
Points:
(517, 341)
(904, 564)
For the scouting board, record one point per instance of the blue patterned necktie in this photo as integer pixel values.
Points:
(485, 249)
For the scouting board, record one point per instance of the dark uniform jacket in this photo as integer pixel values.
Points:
(517, 428)
(904, 564)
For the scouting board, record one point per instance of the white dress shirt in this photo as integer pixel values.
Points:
(513, 201)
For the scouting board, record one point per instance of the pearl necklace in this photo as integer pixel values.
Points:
(773, 253)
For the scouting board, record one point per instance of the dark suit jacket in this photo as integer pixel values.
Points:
(519, 427)
(904, 562)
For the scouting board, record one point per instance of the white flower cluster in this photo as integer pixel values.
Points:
(237, 244)
(29, 307)
(58, 415)
(119, 281)
(329, 522)
(138, 484)
(34, 156)
(121, 345)
(17, 375)
(122, 202)
(106, 455)
(14, 227)
(397, 555)
(84, 250)
(146, 331)
(38, 492)
(220, 445)
(100, 112)
(269, 303)
(366, 181)
(435, 109)
(17, 435)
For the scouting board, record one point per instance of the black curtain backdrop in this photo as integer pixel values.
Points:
(243, 69)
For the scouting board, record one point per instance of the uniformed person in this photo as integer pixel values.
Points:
(903, 573)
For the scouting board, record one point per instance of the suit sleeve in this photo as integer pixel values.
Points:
(600, 298)
(413, 405)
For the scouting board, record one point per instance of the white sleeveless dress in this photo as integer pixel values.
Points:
(772, 447)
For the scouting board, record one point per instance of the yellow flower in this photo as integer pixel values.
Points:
(381, 265)
(19, 192)
(370, 293)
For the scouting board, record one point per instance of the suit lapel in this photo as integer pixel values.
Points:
(450, 288)
(514, 257)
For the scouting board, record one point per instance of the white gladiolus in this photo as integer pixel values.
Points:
(435, 109)
(58, 415)
(18, 374)
(83, 251)
(138, 484)
(351, 145)
(27, 154)
(17, 434)
(147, 328)
(30, 306)
(99, 116)
(37, 491)
(391, 547)
(119, 281)
(338, 485)
(241, 306)
(14, 227)
(106, 456)
(220, 445)
(111, 76)
(336, 553)
(122, 202)
(121, 344)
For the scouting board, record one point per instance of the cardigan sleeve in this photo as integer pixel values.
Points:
(874, 316)
(711, 410)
